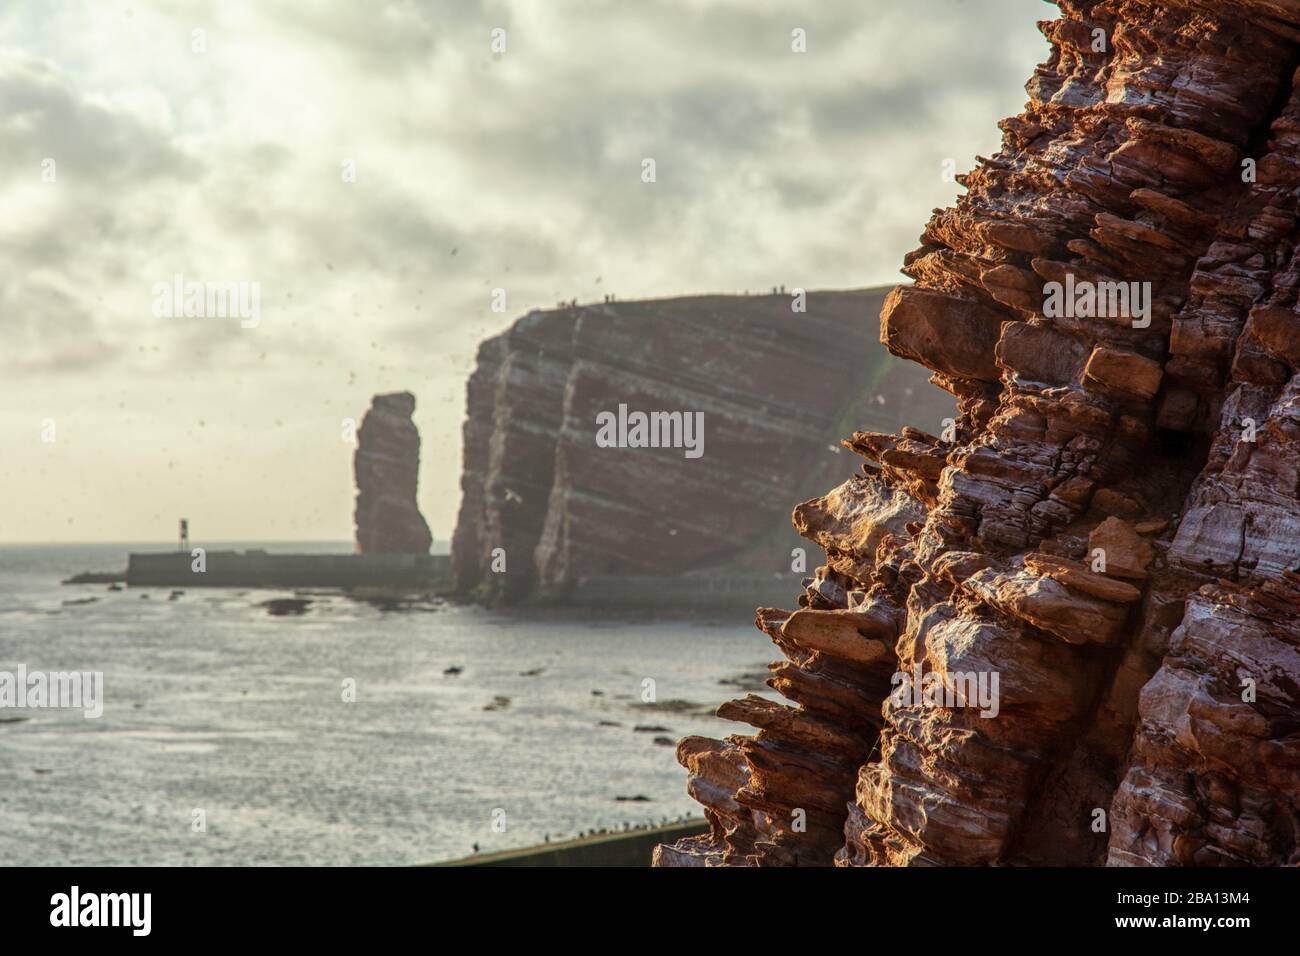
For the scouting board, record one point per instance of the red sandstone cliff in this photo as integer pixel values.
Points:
(770, 384)
(1149, 708)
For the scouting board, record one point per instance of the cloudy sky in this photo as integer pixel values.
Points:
(209, 138)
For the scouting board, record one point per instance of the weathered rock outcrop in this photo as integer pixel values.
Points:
(387, 468)
(767, 382)
(1111, 528)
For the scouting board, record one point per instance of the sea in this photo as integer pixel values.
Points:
(350, 734)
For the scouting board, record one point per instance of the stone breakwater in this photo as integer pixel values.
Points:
(659, 438)
(1113, 526)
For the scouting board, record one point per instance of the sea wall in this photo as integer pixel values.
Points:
(632, 848)
(260, 569)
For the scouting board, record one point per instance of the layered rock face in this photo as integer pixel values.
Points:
(764, 381)
(1110, 530)
(387, 467)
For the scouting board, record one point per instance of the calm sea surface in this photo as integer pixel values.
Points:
(212, 704)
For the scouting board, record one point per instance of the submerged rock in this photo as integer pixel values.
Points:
(280, 607)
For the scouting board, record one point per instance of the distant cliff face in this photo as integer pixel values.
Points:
(741, 394)
(387, 468)
(1112, 532)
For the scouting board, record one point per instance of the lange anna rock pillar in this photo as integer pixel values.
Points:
(387, 470)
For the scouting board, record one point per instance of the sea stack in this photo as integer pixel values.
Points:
(1112, 527)
(387, 470)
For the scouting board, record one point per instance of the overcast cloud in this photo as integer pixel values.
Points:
(473, 171)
